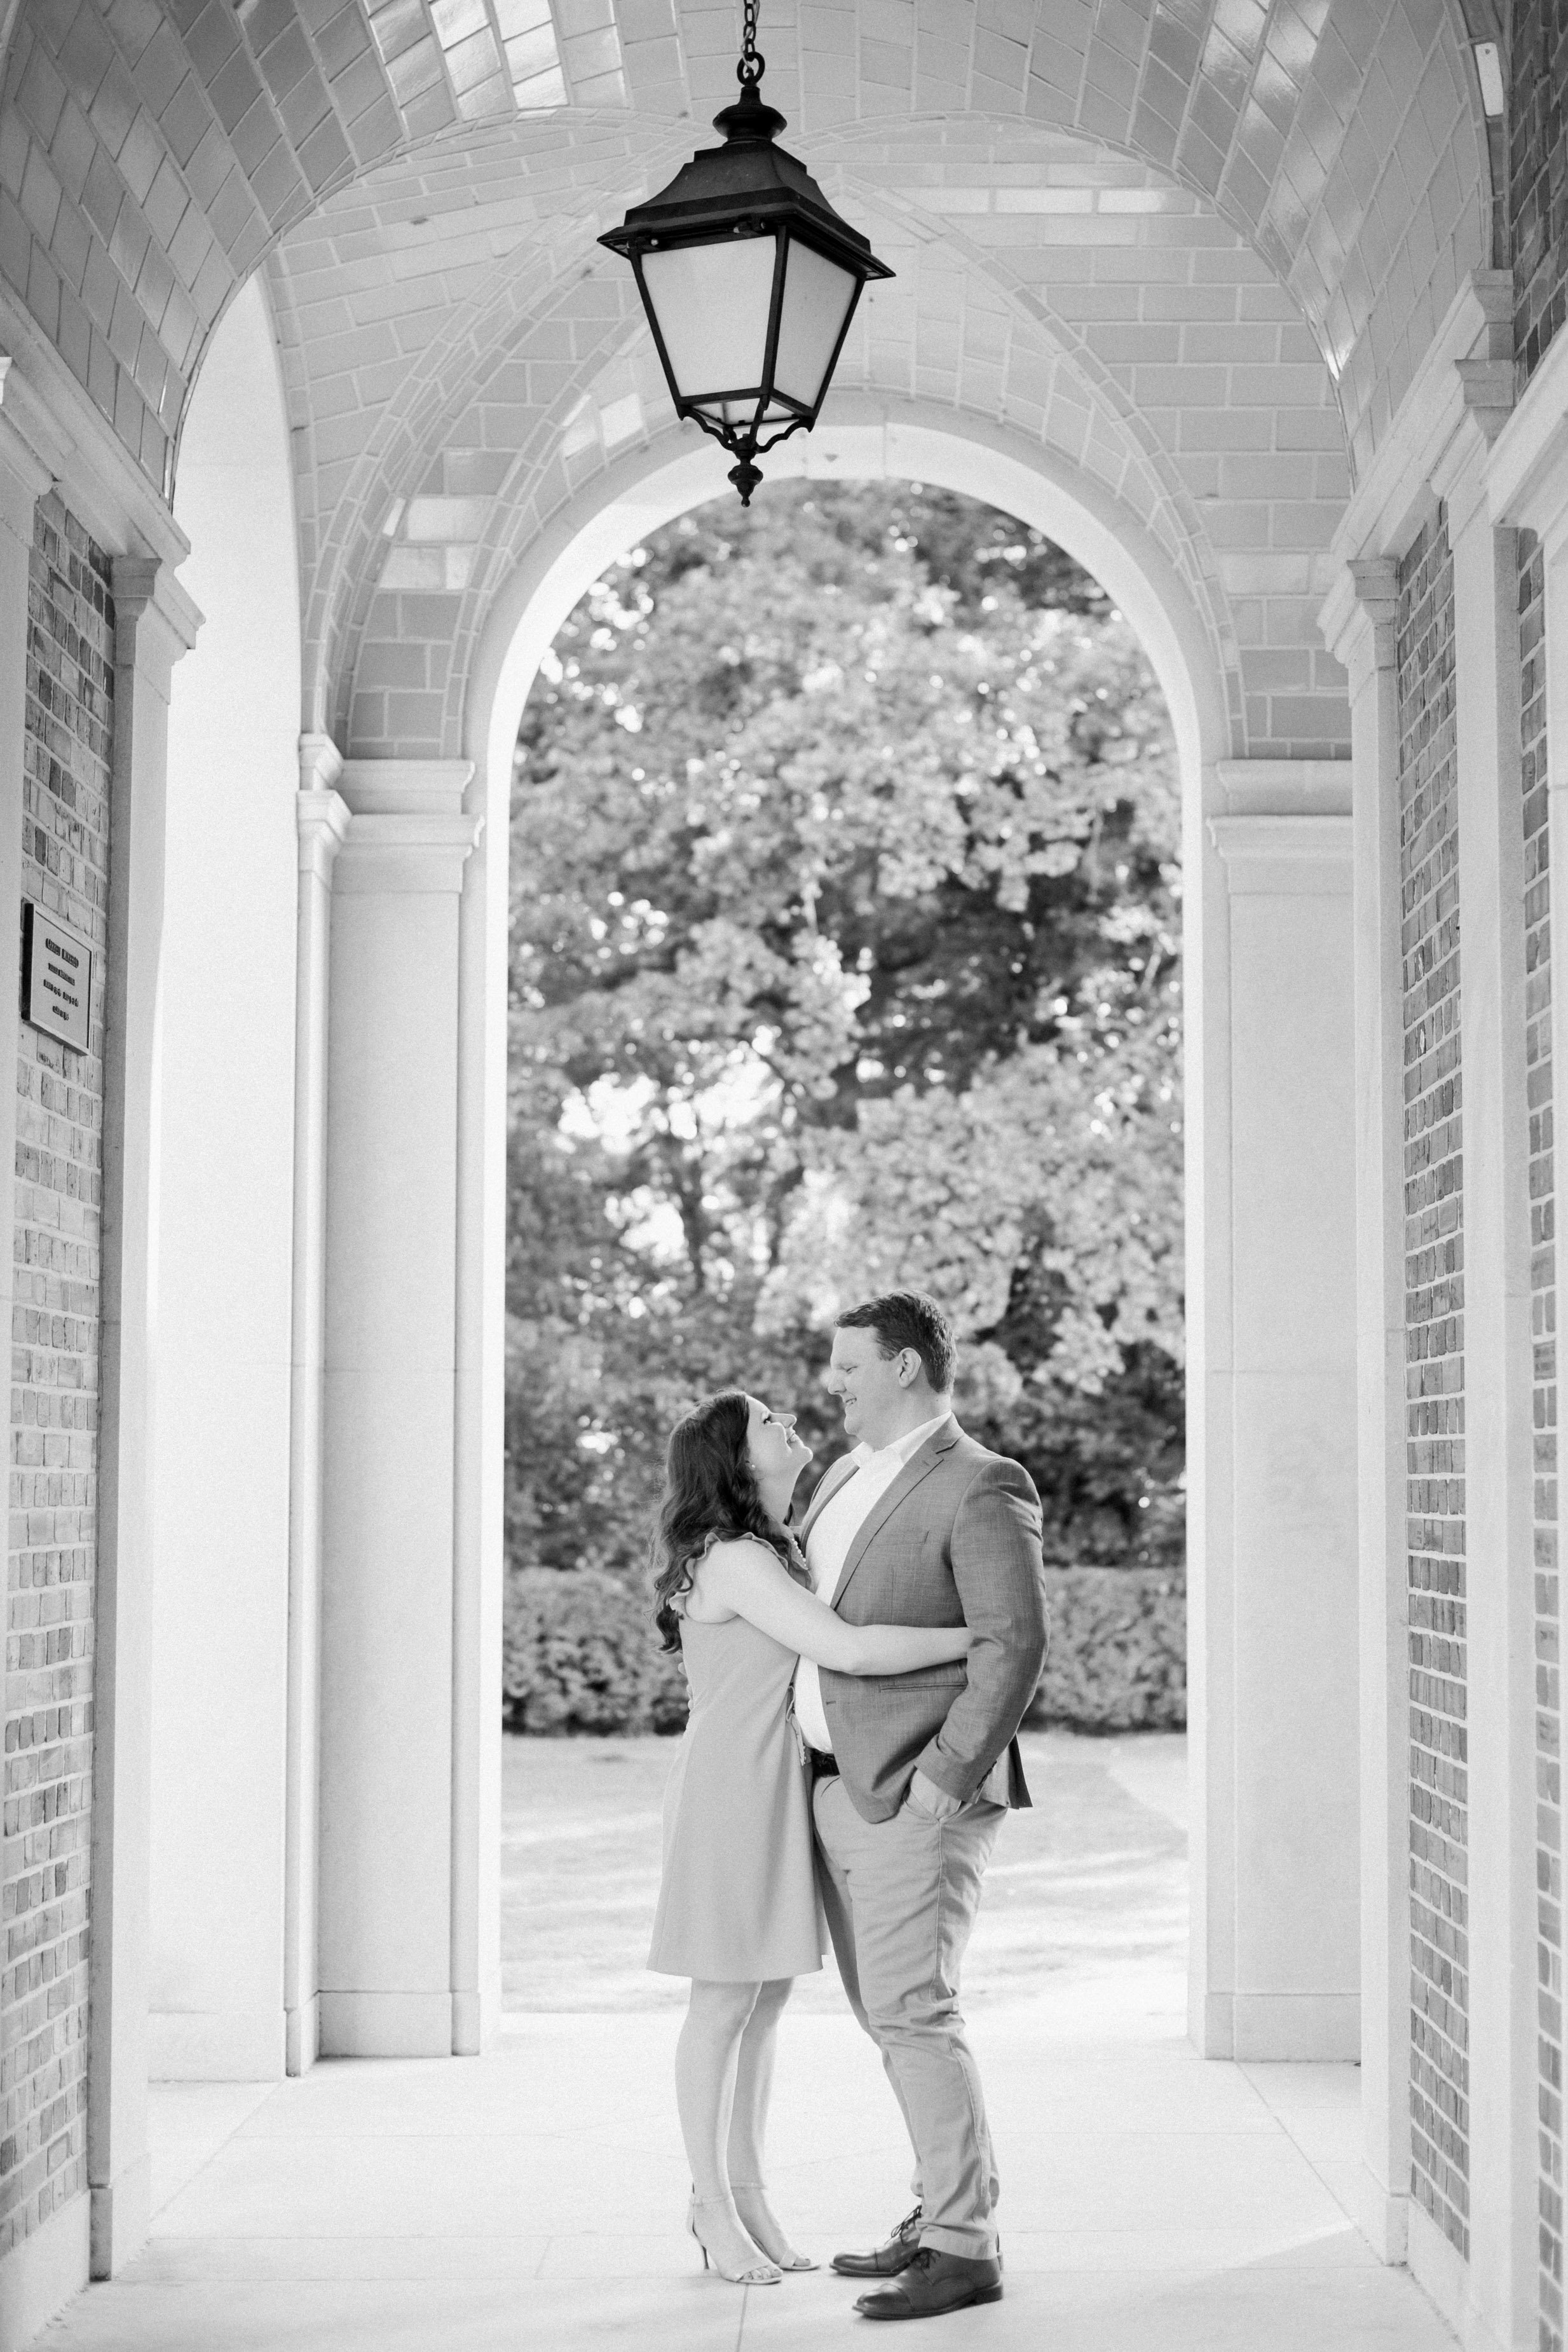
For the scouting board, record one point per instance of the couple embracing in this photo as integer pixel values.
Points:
(856, 1687)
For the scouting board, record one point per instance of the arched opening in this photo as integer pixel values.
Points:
(913, 441)
(1274, 1959)
(965, 853)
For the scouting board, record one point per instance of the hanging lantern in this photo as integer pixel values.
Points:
(750, 280)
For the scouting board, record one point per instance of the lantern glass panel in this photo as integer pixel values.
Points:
(712, 303)
(817, 296)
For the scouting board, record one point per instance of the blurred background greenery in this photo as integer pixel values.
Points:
(845, 953)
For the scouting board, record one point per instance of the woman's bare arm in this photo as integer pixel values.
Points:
(754, 1582)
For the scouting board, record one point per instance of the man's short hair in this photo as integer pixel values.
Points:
(908, 1319)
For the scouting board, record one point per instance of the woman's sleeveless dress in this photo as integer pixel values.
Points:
(738, 1902)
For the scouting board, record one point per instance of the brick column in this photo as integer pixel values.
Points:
(1281, 1638)
(1449, 1138)
(155, 623)
(23, 478)
(387, 1860)
(1553, 557)
(323, 821)
(44, 2231)
(1498, 1466)
(1360, 630)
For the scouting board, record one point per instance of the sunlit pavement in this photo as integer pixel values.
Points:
(534, 2198)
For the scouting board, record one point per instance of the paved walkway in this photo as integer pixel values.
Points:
(532, 2200)
(1154, 2202)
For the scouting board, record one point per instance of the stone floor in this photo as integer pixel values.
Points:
(531, 2200)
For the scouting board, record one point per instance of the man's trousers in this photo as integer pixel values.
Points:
(901, 1897)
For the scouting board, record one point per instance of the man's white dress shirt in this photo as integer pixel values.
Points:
(833, 1531)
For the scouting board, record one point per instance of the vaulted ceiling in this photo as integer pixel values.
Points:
(1195, 247)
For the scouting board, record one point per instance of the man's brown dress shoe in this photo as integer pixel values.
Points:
(935, 2283)
(894, 2254)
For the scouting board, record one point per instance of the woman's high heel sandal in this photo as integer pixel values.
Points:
(757, 2274)
(757, 2215)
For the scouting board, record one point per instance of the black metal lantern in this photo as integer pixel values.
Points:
(750, 280)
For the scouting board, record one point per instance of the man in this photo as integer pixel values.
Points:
(920, 1526)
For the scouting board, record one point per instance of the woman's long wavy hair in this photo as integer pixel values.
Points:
(710, 1495)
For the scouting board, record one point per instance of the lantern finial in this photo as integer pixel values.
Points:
(749, 118)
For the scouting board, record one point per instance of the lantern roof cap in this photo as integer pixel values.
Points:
(747, 185)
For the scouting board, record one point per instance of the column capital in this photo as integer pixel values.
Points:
(1288, 857)
(322, 820)
(1359, 617)
(320, 763)
(408, 830)
(1282, 787)
(321, 814)
(1459, 474)
(155, 620)
(405, 787)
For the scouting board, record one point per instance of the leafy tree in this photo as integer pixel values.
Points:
(844, 952)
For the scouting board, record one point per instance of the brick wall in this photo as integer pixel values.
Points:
(1543, 1336)
(1537, 177)
(53, 1405)
(1433, 1384)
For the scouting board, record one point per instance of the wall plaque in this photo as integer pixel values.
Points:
(57, 977)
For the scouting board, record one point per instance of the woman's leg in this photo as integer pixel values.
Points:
(749, 2123)
(754, 2082)
(707, 2058)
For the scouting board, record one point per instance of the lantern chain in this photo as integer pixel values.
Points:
(748, 72)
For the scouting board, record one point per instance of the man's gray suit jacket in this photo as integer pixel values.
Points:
(954, 1540)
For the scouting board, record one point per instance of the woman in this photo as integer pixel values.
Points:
(737, 1910)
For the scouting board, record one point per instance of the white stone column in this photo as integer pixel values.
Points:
(221, 1624)
(386, 1856)
(1211, 1430)
(155, 621)
(1289, 1976)
(480, 1404)
(1360, 630)
(1500, 2290)
(323, 821)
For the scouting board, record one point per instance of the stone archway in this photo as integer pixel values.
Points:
(1275, 1967)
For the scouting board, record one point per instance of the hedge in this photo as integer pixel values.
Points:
(1118, 1650)
(581, 1656)
(579, 1653)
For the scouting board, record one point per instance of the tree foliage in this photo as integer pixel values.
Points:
(844, 952)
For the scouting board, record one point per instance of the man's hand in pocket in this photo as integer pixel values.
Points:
(927, 1798)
